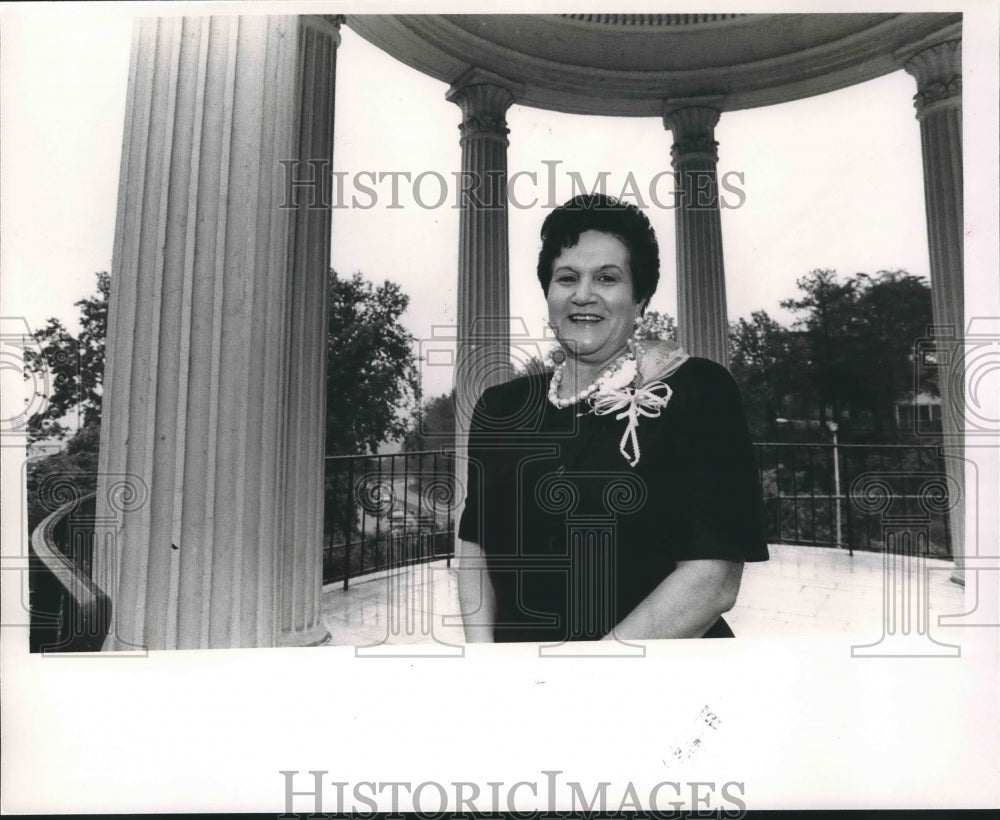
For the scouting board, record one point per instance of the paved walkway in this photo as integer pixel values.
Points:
(801, 591)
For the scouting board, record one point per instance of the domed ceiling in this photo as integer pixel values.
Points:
(628, 64)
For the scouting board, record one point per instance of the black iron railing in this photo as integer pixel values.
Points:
(387, 511)
(850, 495)
(69, 612)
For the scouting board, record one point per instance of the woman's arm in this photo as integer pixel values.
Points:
(685, 604)
(475, 593)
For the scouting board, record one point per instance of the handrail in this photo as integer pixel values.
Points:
(90, 607)
(400, 454)
(848, 445)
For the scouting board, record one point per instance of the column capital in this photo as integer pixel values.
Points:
(937, 68)
(693, 122)
(484, 98)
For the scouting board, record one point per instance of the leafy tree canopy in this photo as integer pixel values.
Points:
(656, 325)
(371, 368)
(73, 367)
(433, 425)
(847, 356)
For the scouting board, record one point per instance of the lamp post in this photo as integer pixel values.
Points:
(832, 427)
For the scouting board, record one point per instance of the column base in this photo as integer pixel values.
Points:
(316, 636)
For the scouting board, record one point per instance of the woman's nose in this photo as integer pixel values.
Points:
(583, 293)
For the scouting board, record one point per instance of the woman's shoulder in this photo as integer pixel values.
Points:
(667, 361)
(705, 391)
(519, 385)
(704, 370)
(522, 391)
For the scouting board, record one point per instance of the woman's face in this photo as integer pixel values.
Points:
(591, 297)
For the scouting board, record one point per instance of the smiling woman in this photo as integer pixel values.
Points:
(591, 299)
(626, 504)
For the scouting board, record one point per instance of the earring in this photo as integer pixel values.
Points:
(632, 340)
(557, 355)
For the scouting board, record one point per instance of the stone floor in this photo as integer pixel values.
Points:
(801, 591)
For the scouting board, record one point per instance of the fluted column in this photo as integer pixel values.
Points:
(214, 394)
(301, 566)
(483, 345)
(937, 69)
(702, 319)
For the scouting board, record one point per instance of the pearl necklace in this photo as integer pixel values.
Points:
(591, 388)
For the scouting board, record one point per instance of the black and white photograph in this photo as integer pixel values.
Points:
(385, 386)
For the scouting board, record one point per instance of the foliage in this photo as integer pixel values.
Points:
(655, 325)
(49, 478)
(534, 366)
(74, 366)
(848, 357)
(830, 328)
(895, 311)
(765, 360)
(371, 368)
(433, 426)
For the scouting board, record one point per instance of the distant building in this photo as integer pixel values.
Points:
(43, 449)
(923, 410)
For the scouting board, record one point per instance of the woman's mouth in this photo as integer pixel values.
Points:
(585, 318)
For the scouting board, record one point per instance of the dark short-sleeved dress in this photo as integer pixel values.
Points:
(575, 538)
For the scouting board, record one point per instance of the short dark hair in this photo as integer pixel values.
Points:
(599, 212)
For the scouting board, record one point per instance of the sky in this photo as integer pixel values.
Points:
(833, 181)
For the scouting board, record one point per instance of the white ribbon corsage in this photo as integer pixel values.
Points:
(623, 394)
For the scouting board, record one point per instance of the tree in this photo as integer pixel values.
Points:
(371, 369)
(535, 366)
(74, 366)
(433, 425)
(762, 357)
(656, 325)
(56, 479)
(859, 336)
(371, 382)
(896, 312)
(830, 329)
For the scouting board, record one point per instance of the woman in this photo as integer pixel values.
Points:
(618, 497)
